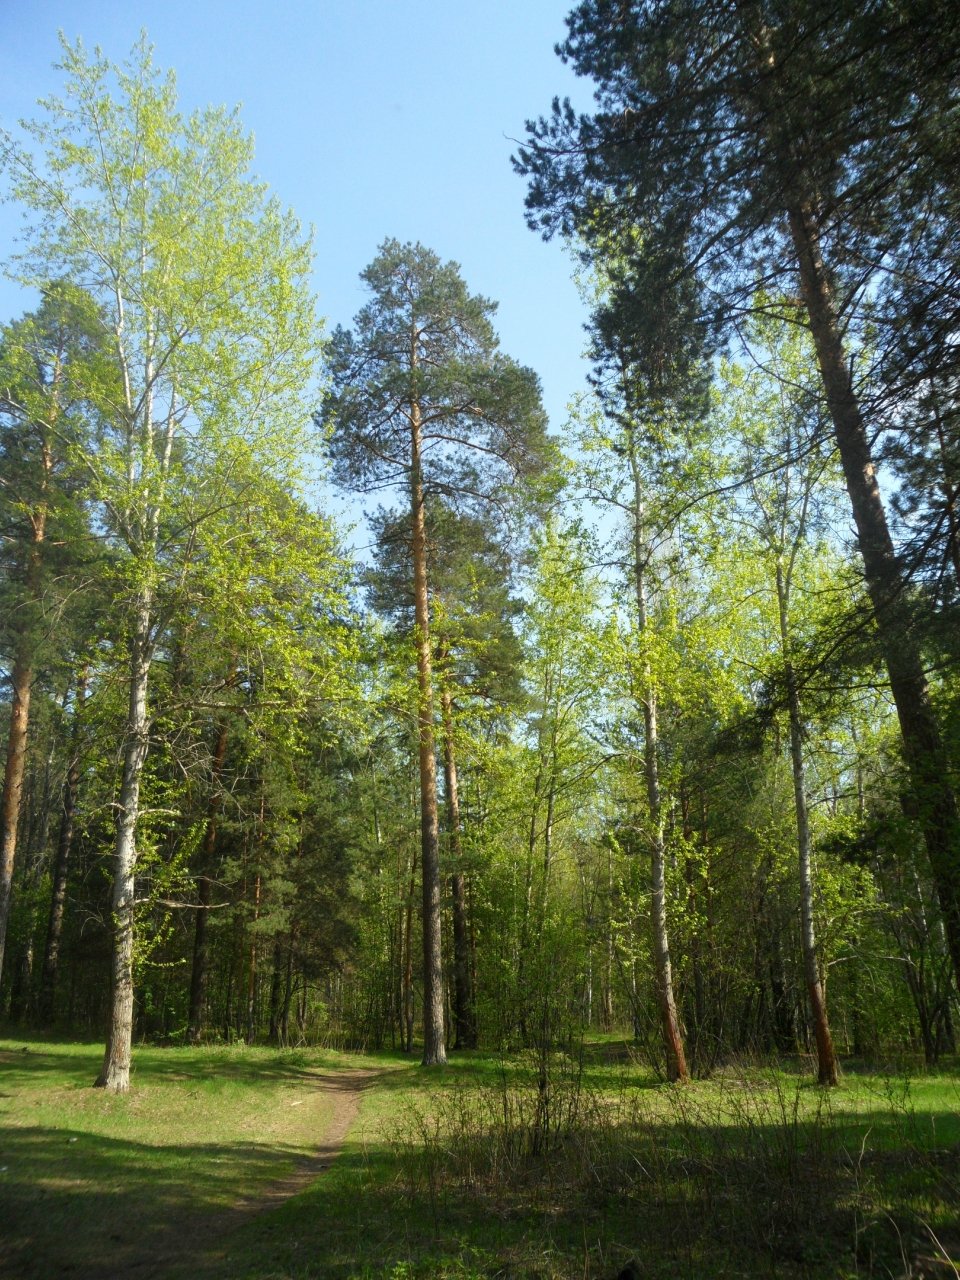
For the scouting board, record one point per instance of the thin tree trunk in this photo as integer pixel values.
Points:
(663, 973)
(925, 756)
(115, 1072)
(61, 866)
(18, 732)
(251, 1028)
(198, 973)
(608, 957)
(276, 987)
(827, 1071)
(287, 989)
(22, 682)
(464, 1023)
(434, 1040)
(408, 959)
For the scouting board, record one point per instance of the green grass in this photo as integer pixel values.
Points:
(88, 1175)
(451, 1175)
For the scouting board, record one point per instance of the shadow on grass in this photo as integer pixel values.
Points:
(771, 1191)
(20, 1066)
(81, 1204)
(798, 1198)
(726, 1208)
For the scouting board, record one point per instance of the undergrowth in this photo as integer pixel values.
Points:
(756, 1174)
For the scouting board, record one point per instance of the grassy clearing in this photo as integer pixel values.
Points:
(754, 1173)
(475, 1172)
(89, 1178)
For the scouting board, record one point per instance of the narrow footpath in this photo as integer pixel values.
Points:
(188, 1244)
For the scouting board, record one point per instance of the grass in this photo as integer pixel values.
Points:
(456, 1174)
(87, 1176)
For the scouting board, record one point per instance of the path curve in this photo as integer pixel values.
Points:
(344, 1089)
(190, 1242)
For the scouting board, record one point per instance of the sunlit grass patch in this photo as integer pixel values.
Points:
(88, 1173)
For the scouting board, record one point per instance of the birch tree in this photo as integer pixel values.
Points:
(201, 280)
(733, 144)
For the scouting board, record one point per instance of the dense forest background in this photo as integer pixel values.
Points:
(648, 721)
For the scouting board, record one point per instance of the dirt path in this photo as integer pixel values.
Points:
(189, 1242)
(344, 1089)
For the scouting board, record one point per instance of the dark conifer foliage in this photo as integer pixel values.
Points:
(421, 396)
(771, 145)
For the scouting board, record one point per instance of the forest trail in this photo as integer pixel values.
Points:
(190, 1242)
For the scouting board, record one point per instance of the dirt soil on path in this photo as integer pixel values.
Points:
(188, 1243)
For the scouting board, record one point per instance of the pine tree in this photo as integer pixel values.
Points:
(420, 396)
(737, 144)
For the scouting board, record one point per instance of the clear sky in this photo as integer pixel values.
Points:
(372, 118)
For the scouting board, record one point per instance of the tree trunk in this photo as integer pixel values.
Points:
(408, 960)
(115, 1072)
(287, 989)
(251, 1018)
(22, 680)
(61, 866)
(827, 1072)
(925, 756)
(464, 1022)
(276, 988)
(198, 973)
(663, 973)
(434, 1040)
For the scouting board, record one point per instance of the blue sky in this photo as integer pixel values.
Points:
(372, 118)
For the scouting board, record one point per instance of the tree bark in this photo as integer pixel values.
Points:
(434, 1041)
(923, 748)
(663, 972)
(61, 866)
(276, 988)
(827, 1070)
(22, 683)
(408, 959)
(115, 1072)
(22, 680)
(464, 1020)
(252, 961)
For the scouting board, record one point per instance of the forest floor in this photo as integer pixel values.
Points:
(258, 1164)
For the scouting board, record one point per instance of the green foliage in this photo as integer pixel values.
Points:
(422, 337)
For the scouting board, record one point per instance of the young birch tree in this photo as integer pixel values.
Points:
(773, 416)
(202, 283)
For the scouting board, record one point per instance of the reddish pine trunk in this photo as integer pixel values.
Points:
(434, 1040)
(21, 681)
(922, 745)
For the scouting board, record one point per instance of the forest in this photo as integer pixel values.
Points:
(623, 744)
